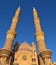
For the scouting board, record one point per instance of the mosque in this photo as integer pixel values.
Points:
(25, 54)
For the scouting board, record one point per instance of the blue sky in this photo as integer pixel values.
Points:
(25, 28)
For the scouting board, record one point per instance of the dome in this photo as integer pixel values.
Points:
(25, 47)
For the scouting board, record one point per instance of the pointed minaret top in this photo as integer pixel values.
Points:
(34, 9)
(17, 11)
(19, 8)
(35, 14)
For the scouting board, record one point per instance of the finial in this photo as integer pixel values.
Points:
(33, 44)
(24, 41)
(34, 9)
(19, 8)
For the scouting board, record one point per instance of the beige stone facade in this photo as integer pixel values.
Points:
(25, 54)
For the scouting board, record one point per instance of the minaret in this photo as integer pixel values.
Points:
(11, 32)
(39, 35)
(10, 35)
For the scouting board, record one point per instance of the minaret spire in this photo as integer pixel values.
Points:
(15, 20)
(35, 12)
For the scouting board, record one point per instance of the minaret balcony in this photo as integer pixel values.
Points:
(45, 54)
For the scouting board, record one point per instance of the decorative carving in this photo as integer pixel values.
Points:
(24, 57)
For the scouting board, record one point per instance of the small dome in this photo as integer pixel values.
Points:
(25, 47)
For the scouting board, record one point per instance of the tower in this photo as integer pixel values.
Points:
(6, 51)
(44, 53)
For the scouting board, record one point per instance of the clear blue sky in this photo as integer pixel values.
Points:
(25, 29)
